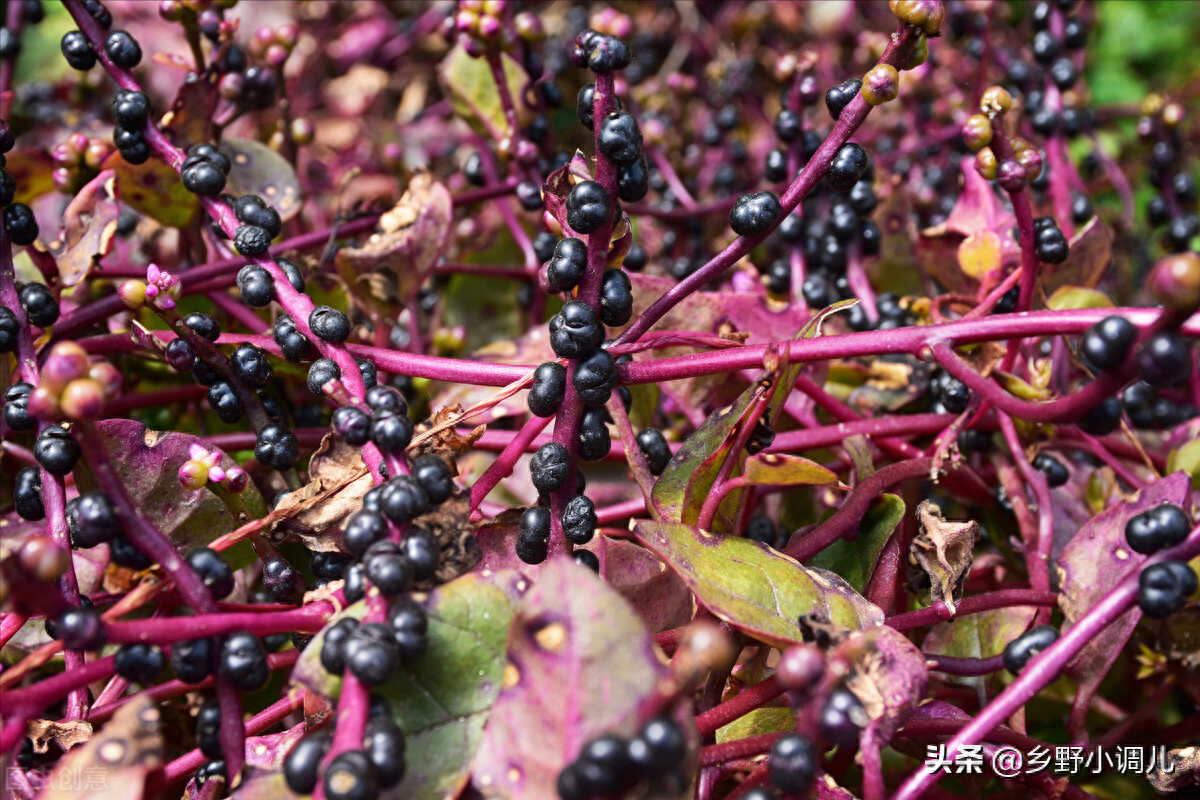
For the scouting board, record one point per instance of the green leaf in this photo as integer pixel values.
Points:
(680, 491)
(257, 169)
(580, 664)
(981, 635)
(147, 463)
(154, 189)
(443, 700)
(1077, 297)
(753, 587)
(770, 469)
(473, 92)
(855, 560)
(758, 722)
(1186, 458)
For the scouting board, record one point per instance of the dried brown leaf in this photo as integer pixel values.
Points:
(941, 554)
(1179, 769)
(314, 513)
(65, 734)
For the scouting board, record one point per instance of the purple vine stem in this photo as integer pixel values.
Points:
(54, 499)
(897, 53)
(297, 304)
(158, 548)
(1049, 664)
(570, 411)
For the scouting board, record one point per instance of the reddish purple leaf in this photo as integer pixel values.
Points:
(580, 664)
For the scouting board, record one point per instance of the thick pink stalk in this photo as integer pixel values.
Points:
(570, 411)
(1049, 664)
(847, 518)
(166, 630)
(897, 54)
(900, 340)
(1000, 598)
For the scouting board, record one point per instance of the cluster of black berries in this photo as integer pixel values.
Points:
(357, 774)
(205, 169)
(130, 112)
(1175, 202)
(609, 764)
(1147, 409)
(38, 303)
(385, 423)
(1165, 587)
(21, 225)
(1051, 244)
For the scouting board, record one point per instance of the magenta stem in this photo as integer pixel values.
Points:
(844, 523)
(166, 630)
(740, 705)
(897, 53)
(502, 467)
(1000, 598)
(1045, 667)
(271, 715)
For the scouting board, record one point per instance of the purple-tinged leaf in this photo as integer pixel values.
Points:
(1095, 561)
(772, 469)
(123, 754)
(147, 463)
(89, 225)
(754, 588)
(189, 121)
(655, 592)
(442, 701)
(580, 664)
(887, 674)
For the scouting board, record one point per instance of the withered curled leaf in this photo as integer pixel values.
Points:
(941, 554)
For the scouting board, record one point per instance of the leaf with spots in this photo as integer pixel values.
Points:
(754, 588)
(123, 754)
(580, 664)
(89, 225)
(154, 189)
(257, 169)
(1093, 562)
(443, 700)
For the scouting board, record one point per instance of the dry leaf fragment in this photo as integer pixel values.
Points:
(314, 513)
(66, 734)
(941, 554)
(1178, 769)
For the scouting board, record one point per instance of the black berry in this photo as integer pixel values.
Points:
(1164, 588)
(546, 393)
(655, 449)
(588, 207)
(549, 468)
(244, 662)
(754, 213)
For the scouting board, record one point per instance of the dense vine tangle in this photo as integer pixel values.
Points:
(285, 538)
